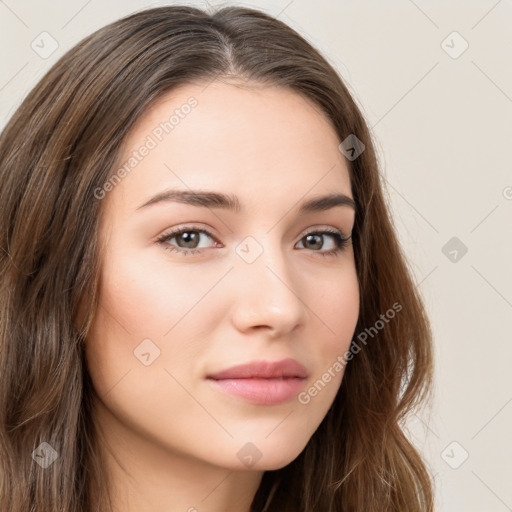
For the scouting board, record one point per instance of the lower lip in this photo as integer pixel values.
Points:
(261, 391)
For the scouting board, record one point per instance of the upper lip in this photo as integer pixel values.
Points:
(263, 370)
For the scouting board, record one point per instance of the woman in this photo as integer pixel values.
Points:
(204, 302)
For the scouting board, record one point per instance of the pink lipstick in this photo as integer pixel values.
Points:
(262, 382)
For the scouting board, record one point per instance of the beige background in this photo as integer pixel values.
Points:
(442, 120)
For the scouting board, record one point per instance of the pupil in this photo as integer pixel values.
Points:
(319, 242)
(189, 238)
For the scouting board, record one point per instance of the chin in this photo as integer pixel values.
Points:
(269, 457)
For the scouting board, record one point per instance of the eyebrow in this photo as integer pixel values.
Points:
(231, 202)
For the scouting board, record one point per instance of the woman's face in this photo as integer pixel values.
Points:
(240, 284)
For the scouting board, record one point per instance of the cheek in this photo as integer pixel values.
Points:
(338, 313)
(150, 295)
(148, 298)
(338, 310)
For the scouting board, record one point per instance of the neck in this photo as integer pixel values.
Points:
(146, 476)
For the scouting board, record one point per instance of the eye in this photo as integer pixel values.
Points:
(187, 238)
(316, 238)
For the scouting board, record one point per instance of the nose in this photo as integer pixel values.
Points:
(268, 295)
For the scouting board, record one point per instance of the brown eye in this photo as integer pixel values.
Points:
(190, 239)
(316, 240)
(187, 240)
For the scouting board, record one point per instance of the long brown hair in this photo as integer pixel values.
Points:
(61, 145)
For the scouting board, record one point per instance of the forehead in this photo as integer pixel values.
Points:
(256, 141)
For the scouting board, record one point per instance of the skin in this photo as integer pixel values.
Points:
(176, 437)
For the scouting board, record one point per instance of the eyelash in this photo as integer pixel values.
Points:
(341, 240)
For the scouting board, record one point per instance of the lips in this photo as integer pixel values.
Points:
(262, 382)
(285, 368)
